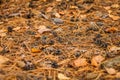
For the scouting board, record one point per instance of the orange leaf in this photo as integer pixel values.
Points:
(34, 50)
(80, 62)
(114, 17)
(111, 29)
(97, 60)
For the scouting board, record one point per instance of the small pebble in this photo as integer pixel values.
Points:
(50, 42)
(57, 21)
(100, 23)
(57, 52)
(28, 66)
(10, 29)
(54, 65)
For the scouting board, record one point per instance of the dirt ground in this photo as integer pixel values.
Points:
(59, 39)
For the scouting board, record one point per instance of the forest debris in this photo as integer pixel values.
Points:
(1, 48)
(20, 64)
(110, 70)
(3, 60)
(112, 62)
(35, 50)
(63, 62)
(49, 9)
(118, 75)
(57, 21)
(16, 28)
(115, 6)
(3, 34)
(57, 15)
(97, 60)
(42, 29)
(114, 48)
(91, 75)
(44, 16)
(111, 30)
(114, 17)
(80, 62)
(62, 77)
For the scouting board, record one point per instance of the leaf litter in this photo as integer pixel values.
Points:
(59, 40)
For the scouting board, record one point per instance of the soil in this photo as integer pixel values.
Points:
(59, 39)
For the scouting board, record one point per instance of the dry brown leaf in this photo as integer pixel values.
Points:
(49, 9)
(111, 70)
(114, 17)
(111, 29)
(57, 15)
(20, 64)
(1, 48)
(80, 62)
(35, 50)
(114, 48)
(16, 28)
(97, 60)
(115, 6)
(73, 7)
(107, 8)
(117, 75)
(62, 77)
(42, 29)
(3, 60)
(64, 61)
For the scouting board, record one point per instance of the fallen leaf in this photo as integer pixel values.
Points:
(58, 0)
(91, 75)
(73, 7)
(114, 17)
(49, 9)
(16, 28)
(3, 60)
(20, 64)
(115, 6)
(111, 29)
(111, 70)
(97, 60)
(107, 8)
(35, 50)
(114, 48)
(117, 75)
(80, 62)
(62, 77)
(42, 29)
(57, 15)
(1, 48)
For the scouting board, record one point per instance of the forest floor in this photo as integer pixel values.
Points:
(59, 39)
